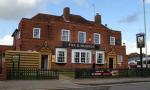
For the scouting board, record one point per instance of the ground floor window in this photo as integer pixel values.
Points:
(81, 56)
(61, 55)
(120, 58)
(99, 57)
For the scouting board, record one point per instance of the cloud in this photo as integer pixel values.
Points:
(131, 47)
(130, 19)
(15, 9)
(147, 1)
(76, 2)
(6, 40)
(56, 2)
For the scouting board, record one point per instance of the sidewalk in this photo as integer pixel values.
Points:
(110, 81)
(66, 84)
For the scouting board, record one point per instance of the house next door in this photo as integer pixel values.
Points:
(44, 62)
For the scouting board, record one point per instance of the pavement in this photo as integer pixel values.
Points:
(66, 83)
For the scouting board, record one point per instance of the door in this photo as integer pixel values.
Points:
(44, 62)
(110, 63)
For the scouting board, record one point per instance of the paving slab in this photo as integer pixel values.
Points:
(66, 84)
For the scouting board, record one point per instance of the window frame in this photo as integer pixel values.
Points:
(18, 34)
(39, 36)
(103, 56)
(84, 36)
(65, 54)
(112, 42)
(99, 36)
(68, 35)
(118, 58)
(87, 58)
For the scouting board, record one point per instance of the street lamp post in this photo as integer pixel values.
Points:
(145, 33)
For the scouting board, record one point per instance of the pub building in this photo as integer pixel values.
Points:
(69, 41)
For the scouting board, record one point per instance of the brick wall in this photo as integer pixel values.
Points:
(3, 74)
(51, 33)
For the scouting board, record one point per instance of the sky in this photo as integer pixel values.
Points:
(123, 15)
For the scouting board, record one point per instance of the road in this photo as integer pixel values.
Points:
(131, 86)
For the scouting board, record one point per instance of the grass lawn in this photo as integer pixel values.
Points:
(70, 74)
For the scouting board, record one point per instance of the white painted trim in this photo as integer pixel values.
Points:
(111, 41)
(61, 49)
(62, 35)
(39, 32)
(103, 56)
(99, 42)
(119, 62)
(84, 36)
(81, 50)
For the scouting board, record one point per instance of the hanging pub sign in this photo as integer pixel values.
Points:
(140, 38)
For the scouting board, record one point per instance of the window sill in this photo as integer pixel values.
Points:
(65, 41)
(96, 44)
(61, 62)
(36, 38)
(100, 63)
(81, 63)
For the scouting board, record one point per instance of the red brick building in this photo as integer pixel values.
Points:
(70, 41)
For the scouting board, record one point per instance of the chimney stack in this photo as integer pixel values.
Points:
(66, 14)
(98, 18)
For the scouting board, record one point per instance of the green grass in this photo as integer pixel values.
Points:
(70, 74)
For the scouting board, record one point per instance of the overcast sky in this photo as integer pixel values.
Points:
(122, 15)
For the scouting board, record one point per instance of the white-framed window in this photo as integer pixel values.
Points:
(112, 40)
(36, 32)
(61, 55)
(100, 57)
(81, 56)
(81, 37)
(96, 38)
(18, 34)
(120, 58)
(65, 35)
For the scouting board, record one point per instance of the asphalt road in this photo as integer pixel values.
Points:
(131, 86)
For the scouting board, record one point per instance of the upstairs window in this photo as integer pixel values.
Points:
(99, 57)
(65, 35)
(81, 37)
(18, 34)
(36, 32)
(112, 40)
(96, 38)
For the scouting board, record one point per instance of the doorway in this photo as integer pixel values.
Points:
(111, 63)
(44, 62)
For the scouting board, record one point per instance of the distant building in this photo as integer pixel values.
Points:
(70, 41)
(134, 60)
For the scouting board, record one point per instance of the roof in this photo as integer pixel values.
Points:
(14, 33)
(73, 19)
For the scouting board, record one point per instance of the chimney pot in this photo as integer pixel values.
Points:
(66, 13)
(98, 18)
